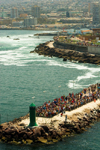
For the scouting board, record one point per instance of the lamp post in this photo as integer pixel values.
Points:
(32, 115)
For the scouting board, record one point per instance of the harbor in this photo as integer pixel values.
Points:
(61, 78)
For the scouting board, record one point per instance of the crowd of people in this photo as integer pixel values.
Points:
(77, 42)
(84, 43)
(70, 102)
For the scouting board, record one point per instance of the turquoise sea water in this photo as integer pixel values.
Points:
(27, 77)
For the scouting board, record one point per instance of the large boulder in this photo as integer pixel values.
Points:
(42, 140)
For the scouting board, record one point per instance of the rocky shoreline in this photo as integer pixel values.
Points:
(66, 54)
(46, 34)
(15, 133)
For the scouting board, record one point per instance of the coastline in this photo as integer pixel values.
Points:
(50, 130)
(37, 29)
(67, 54)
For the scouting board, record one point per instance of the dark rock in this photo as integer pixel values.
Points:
(9, 137)
(67, 125)
(0, 135)
(21, 134)
(37, 132)
(22, 124)
(29, 134)
(64, 59)
(53, 134)
(28, 129)
(16, 39)
(9, 131)
(46, 129)
(25, 136)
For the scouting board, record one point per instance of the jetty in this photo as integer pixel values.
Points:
(80, 48)
(46, 34)
(66, 54)
(52, 129)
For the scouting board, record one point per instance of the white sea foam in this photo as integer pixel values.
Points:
(76, 85)
(55, 63)
(86, 76)
(21, 48)
(91, 71)
(21, 53)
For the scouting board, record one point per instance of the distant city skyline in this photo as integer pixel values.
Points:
(75, 12)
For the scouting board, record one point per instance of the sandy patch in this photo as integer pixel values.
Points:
(50, 44)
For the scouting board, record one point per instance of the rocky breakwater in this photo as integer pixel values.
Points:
(46, 34)
(66, 54)
(16, 132)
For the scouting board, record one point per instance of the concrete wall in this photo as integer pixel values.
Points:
(80, 48)
(94, 50)
(71, 46)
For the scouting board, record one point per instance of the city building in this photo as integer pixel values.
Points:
(75, 20)
(86, 31)
(3, 14)
(67, 13)
(35, 11)
(23, 15)
(18, 24)
(14, 12)
(96, 13)
(90, 7)
(96, 31)
(30, 21)
(7, 21)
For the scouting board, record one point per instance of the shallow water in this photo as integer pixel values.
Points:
(24, 77)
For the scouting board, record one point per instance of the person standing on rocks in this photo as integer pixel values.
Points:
(65, 118)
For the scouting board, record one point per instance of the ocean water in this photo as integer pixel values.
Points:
(27, 78)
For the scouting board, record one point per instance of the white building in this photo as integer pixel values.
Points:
(96, 13)
(30, 21)
(18, 24)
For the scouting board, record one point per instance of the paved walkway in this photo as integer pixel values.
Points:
(71, 115)
(50, 44)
